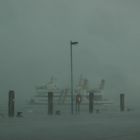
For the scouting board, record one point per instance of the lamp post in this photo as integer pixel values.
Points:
(71, 63)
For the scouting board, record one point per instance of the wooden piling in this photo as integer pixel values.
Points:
(50, 103)
(122, 102)
(91, 102)
(11, 103)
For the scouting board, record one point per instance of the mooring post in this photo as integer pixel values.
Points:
(122, 102)
(50, 103)
(11, 103)
(91, 101)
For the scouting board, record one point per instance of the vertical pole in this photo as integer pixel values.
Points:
(78, 101)
(11, 104)
(50, 103)
(91, 98)
(122, 102)
(71, 77)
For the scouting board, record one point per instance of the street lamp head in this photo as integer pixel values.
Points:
(74, 43)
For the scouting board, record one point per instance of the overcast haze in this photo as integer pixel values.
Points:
(35, 37)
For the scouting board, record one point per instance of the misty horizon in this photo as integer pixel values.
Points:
(35, 45)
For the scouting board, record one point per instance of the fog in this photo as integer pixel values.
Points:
(35, 44)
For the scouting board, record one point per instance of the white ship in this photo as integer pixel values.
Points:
(63, 96)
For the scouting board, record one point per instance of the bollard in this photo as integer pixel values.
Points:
(50, 103)
(78, 101)
(91, 102)
(122, 102)
(11, 104)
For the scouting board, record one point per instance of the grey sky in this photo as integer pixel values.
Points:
(35, 35)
